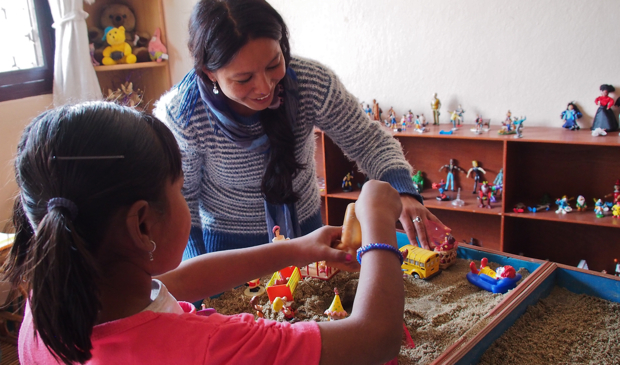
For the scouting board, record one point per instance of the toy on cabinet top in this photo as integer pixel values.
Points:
(441, 186)
(368, 111)
(581, 205)
(435, 105)
(456, 117)
(507, 125)
(376, 111)
(419, 262)
(420, 123)
(563, 206)
(157, 50)
(478, 128)
(451, 167)
(518, 127)
(478, 171)
(403, 122)
(605, 118)
(347, 184)
(501, 280)
(418, 181)
(485, 195)
(117, 15)
(118, 50)
(570, 116)
(409, 117)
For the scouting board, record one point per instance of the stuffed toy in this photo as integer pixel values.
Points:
(157, 50)
(117, 15)
(118, 50)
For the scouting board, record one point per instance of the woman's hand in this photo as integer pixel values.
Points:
(421, 223)
(317, 246)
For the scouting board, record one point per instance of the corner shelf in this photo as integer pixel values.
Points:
(546, 160)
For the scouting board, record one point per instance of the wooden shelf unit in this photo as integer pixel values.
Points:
(551, 161)
(153, 78)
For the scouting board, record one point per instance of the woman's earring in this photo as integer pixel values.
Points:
(153, 250)
(215, 89)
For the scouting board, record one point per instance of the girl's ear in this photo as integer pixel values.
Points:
(139, 222)
(209, 74)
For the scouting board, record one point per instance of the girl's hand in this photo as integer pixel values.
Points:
(317, 246)
(419, 222)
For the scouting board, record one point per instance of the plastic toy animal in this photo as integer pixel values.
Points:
(501, 280)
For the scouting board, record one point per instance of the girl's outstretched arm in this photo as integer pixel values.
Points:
(213, 273)
(373, 332)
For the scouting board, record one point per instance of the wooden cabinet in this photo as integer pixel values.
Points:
(153, 78)
(549, 161)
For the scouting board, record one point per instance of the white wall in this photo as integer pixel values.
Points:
(529, 56)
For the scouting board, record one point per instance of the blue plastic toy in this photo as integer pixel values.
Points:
(499, 281)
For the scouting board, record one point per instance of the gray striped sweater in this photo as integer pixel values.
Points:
(223, 181)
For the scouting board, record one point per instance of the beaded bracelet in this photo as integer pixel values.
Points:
(378, 246)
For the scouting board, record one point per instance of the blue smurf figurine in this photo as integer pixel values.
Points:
(563, 206)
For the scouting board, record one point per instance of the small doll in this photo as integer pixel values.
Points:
(570, 116)
(604, 118)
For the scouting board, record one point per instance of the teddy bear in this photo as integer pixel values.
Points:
(117, 15)
(118, 50)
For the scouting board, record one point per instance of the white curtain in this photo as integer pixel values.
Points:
(75, 79)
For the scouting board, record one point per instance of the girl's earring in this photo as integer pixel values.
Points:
(215, 89)
(153, 250)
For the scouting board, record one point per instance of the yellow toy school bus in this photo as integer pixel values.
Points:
(421, 263)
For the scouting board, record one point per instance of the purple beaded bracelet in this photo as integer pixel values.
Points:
(378, 246)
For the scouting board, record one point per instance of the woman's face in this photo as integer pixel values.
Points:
(250, 78)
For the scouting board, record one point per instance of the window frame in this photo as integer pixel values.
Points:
(39, 80)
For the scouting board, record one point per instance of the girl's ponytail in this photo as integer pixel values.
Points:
(63, 271)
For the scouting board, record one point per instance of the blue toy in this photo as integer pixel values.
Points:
(499, 281)
(445, 132)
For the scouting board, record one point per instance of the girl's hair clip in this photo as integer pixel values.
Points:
(87, 157)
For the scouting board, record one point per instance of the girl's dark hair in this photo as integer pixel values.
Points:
(58, 263)
(609, 88)
(218, 29)
(575, 107)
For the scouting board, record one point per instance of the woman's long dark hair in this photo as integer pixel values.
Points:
(55, 250)
(217, 31)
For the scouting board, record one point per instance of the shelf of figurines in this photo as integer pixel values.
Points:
(130, 66)
(529, 134)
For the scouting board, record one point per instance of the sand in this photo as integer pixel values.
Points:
(437, 311)
(563, 328)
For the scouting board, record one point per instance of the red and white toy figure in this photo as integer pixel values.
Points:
(501, 280)
(581, 204)
(254, 288)
(616, 193)
(257, 307)
(277, 236)
(157, 50)
(336, 311)
(280, 304)
(447, 252)
(484, 195)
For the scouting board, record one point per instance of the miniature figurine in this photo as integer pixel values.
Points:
(335, 310)
(418, 181)
(616, 193)
(459, 112)
(600, 208)
(484, 196)
(478, 121)
(501, 280)
(420, 123)
(539, 207)
(563, 206)
(157, 51)
(257, 307)
(376, 111)
(499, 179)
(435, 105)
(615, 210)
(446, 132)
(254, 288)
(441, 186)
(458, 202)
(617, 272)
(604, 118)
(447, 252)
(454, 116)
(368, 111)
(518, 127)
(507, 125)
(519, 208)
(580, 205)
(598, 132)
(409, 117)
(570, 116)
(279, 304)
(276, 234)
(347, 185)
(498, 185)
(403, 122)
(450, 168)
(391, 111)
(478, 171)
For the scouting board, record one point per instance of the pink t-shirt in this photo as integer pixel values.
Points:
(168, 338)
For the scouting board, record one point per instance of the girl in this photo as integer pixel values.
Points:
(100, 212)
(244, 118)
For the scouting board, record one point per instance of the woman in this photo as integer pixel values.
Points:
(244, 118)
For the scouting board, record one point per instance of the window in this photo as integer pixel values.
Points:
(27, 62)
